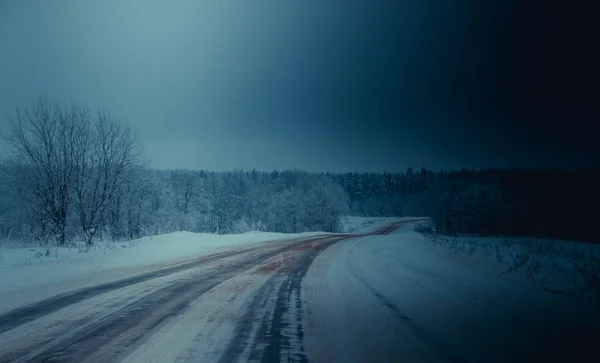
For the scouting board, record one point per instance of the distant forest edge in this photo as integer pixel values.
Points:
(561, 204)
(72, 175)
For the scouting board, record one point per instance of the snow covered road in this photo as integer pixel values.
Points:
(111, 321)
(397, 298)
(385, 296)
(234, 305)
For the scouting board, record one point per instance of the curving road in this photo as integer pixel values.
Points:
(241, 305)
(387, 296)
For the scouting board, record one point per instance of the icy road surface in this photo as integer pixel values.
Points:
(386, 296)
(396, 298)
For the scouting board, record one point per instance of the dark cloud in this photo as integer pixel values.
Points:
(336, 85)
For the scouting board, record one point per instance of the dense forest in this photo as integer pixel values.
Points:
(156, 201)
(541, 203)
(72, 175)
(515, 202)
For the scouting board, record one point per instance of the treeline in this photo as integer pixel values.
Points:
(227, 202)
(151, 202)
(73, 175)
(558, 204)
(382, 194)
(70, 175)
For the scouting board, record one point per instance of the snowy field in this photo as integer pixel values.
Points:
(558, 266)
(146, 250)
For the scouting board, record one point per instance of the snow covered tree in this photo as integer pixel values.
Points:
(44, 163)
(106, 153)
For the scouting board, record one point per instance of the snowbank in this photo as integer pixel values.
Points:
(557, 265)
(142, 251)
(27, 274)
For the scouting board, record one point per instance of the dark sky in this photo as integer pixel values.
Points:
(319, 85)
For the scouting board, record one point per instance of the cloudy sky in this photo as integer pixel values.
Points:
(318, 85)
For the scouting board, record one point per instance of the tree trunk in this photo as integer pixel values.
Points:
(89, 238)
(61, 238)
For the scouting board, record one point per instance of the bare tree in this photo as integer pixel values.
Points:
(136, 195)
(43, 162)
(107, 154)
(185, 187)
(184, 184)
(69, 157)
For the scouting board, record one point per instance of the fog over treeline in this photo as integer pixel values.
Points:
(74, 175)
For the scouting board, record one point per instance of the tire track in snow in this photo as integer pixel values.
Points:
(22, 315)
(279, 335)
(271, 341)
(119, 332)
(406, 325)
(25, 314)
(423, 336)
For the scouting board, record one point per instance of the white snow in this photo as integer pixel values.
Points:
(26, 267)
(400, 298)
(80, 315)
(202, 332)
(390, 298)
(27, 275)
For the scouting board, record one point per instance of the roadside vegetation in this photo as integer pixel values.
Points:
(561, 267)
